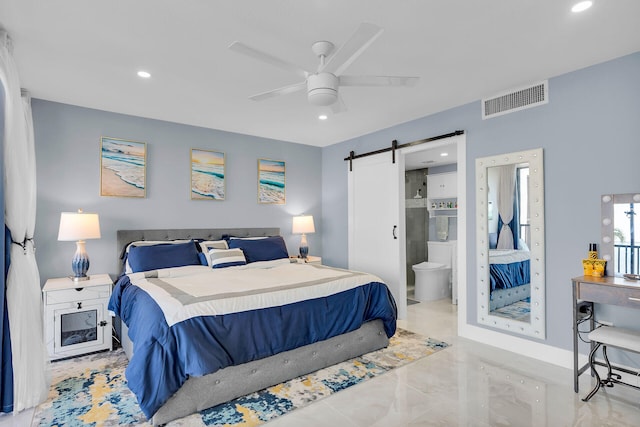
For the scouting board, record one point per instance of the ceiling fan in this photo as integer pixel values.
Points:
(323, 84)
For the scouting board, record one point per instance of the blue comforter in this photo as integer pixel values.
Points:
(164, 357)
(504, 276)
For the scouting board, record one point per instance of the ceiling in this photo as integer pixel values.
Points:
(87, 53)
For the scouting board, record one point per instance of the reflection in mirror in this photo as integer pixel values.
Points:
(509, 239)
(619, 246)
(510, 242)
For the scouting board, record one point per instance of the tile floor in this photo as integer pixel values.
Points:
(468, 384)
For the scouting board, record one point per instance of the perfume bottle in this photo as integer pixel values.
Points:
(593, 251)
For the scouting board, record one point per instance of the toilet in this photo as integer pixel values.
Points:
(434, 276)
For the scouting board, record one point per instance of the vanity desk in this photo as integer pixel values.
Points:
(588, 290)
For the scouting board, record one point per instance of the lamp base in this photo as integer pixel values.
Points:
(304, 247)
(80, 262)
(79, 278)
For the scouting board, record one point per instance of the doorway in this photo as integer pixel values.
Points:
(387, 258)
(428, 217)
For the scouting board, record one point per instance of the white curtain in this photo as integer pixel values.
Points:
(24, 298)
(506, 198)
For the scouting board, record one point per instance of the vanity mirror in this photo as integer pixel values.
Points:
(619, 246)
(510, 242)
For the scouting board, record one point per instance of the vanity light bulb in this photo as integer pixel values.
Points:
(607, 257)
(636, 197)
(606, 221)
(606, 199)
(606, 239)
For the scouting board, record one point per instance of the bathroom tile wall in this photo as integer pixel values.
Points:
(417, 217)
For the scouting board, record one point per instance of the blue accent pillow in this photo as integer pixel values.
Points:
(266, 249)
(203, 259)
(145, 258)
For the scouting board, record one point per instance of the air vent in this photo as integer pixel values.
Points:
(515, 100)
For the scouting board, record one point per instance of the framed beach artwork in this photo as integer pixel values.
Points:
(207, 175)
(271, 184)
(122, 168)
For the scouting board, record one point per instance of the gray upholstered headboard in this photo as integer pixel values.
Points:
(127, 236)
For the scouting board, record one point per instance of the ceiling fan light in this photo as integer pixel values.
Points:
(322, 96)
(322, 89)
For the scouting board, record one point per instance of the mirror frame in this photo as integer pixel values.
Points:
(607, 225)
(537, 327)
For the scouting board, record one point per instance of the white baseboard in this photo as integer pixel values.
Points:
(543, 352)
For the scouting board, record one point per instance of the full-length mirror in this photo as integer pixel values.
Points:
(619, 246)
(510, 242)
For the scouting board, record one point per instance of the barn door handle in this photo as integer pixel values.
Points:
(395, 227)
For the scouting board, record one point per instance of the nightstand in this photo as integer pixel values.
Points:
(76, 319)
(310, 260)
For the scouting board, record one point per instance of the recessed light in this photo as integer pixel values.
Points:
(444, 154)
(323, 117)
(143, 74)
(581, 6)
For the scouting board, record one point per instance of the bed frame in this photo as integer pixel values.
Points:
(504, 297)
(199, 393)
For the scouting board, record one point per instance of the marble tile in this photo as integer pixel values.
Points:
(23, 419)
(473, 384)
(382, 401)
(319, 414)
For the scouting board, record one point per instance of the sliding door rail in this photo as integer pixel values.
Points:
(395, 146)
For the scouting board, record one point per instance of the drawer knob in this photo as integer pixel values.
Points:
(102, 323)
(80, 305)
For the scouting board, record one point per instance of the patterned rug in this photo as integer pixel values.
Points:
(520, 310)
(92, 390)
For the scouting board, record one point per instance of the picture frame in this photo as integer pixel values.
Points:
(208, 174)
(123, 168)
(271, 182)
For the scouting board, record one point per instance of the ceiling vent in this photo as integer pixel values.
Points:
(515, 100)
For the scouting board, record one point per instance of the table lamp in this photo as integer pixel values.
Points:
(302, 225)
(78, 227)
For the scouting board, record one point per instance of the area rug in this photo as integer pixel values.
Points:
(92, 390)
(520, 310)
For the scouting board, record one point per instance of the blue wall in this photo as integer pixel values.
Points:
(67, 140)
(589, 131)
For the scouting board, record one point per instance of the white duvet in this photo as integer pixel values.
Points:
(507, 256)
(186, 292)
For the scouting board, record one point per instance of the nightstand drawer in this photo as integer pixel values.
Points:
(70, 295)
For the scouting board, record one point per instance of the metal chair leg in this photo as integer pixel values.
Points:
(610, 374)
(592, 357)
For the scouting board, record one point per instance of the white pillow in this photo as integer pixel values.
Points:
(222, 258)
(206, 246)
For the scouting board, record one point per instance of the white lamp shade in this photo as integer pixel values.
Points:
(78, 226)
(303, 224)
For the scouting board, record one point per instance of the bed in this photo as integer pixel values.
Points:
(509, 274)
(201, 334)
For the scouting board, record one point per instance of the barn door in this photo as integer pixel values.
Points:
(376, 225)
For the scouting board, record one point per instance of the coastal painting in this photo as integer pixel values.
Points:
(207, 175)
(123, 168)
(271, 182)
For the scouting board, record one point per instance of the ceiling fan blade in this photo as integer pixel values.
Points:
(265, 57)
(378, 81)
(357, 43)
(338, 106)
(280, 91)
